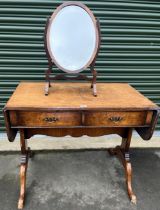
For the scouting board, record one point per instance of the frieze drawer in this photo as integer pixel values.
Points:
(134, 118)
(44, 119)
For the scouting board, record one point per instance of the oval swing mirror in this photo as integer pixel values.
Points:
(72, 37)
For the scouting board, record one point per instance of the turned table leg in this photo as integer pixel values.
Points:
(122, 152)
(25, 151)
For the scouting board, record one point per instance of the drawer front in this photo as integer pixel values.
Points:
(118, 118)
(44, 119)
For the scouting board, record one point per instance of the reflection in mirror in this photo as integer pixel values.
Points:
(72, 38)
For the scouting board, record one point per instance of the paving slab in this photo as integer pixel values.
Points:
(81, 180)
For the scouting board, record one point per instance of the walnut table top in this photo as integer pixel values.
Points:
(78, 96)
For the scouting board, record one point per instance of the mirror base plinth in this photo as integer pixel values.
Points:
(94, 90)
(67, 77)
(46, 89)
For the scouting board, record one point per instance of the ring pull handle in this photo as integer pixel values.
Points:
(50, 119)
(116, 119)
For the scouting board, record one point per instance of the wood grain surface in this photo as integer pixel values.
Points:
(78, 96)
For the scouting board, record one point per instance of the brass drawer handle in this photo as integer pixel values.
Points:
(116, 119)
(50, 119)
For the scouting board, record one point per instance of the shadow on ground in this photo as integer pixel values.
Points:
(81, 180)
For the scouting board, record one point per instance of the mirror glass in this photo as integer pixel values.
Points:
(72, 39)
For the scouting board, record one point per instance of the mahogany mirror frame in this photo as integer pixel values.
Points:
(52, 60)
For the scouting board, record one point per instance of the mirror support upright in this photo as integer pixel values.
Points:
(92, 66)
(49, 70)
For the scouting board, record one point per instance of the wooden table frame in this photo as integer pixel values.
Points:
(30, 121)
(122, 152)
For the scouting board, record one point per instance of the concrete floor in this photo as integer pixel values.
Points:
(81, 180)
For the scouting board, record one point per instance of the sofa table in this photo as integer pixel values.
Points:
(71, 109)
